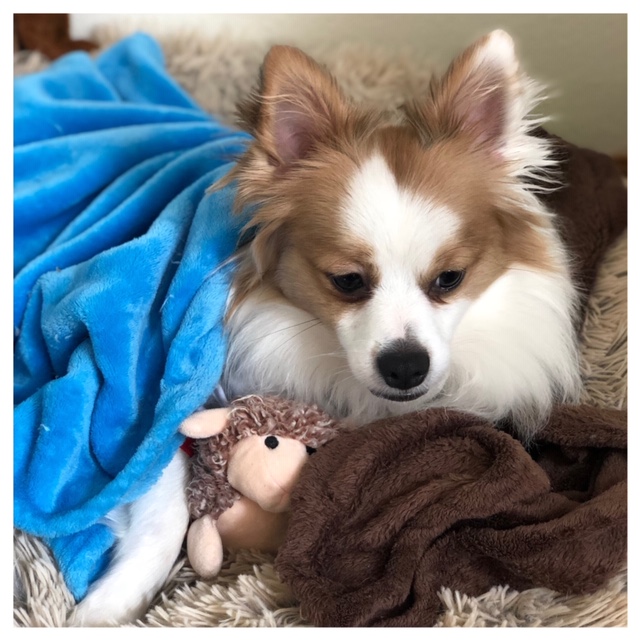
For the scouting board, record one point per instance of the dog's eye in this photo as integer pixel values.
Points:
(448, 280)
(350, 283)
(271, 442)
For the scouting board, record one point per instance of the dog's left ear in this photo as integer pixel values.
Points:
(297, 106)
(483, 96)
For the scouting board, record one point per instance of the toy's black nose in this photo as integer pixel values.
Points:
(271, 442)
(403, 365)
(310, 450)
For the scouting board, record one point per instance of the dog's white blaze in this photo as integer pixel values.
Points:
(404, 229)
(405, 232)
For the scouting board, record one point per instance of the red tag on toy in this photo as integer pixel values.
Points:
(187, 447)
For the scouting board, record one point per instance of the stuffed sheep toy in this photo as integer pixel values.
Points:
(247, 458)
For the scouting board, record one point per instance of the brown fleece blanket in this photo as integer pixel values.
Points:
(384, 516)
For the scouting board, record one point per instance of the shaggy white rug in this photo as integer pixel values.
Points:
(247, 593)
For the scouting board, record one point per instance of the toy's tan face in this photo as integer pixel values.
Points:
(265, 469)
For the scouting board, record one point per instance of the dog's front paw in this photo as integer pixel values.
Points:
(97, 611)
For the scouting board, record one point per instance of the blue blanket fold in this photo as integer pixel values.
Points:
(121, 273)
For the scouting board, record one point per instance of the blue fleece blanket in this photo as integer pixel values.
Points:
(120, 284)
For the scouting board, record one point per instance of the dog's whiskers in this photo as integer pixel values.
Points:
(287, 328)
(333, 354)
(294, 336)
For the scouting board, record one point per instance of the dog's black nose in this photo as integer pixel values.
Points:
(403, 365)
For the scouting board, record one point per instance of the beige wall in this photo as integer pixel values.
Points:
(583, 58)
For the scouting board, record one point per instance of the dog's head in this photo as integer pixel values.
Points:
(389, 228)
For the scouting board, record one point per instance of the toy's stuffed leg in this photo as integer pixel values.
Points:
(204, 547)
(150, 533)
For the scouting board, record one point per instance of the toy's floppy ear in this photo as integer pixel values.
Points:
(204, 424)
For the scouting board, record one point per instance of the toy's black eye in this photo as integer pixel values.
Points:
(271, 442)
(351, 284)
(448, 280)
(310, 450)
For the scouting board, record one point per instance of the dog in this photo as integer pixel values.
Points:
(400, 261)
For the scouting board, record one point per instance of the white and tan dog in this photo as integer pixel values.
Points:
(399, 263)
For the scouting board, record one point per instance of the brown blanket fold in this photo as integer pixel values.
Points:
(386, 515)
(591, 207)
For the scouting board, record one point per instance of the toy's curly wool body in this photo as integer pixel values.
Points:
(209, 491)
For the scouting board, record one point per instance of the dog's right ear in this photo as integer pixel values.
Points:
(297, 106)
